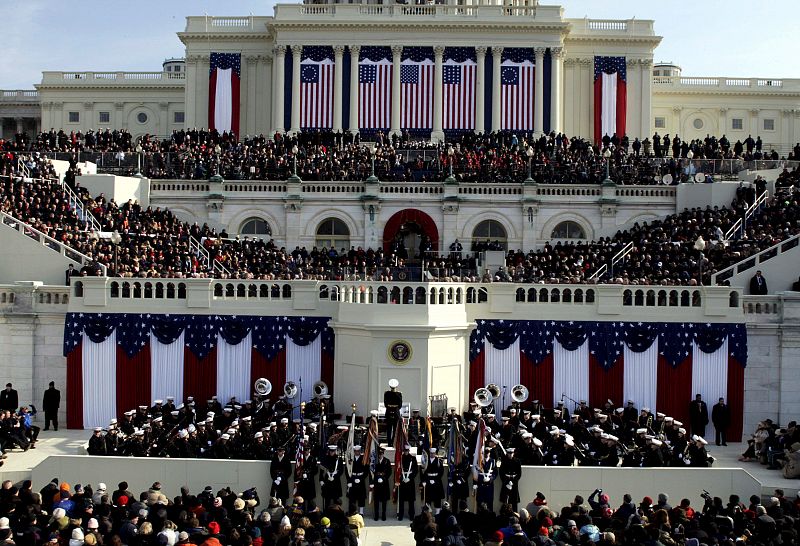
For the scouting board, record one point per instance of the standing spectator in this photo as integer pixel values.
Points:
(698, 416)
(721, 417)
(50, 404)
(758, 285)
(69, 273)
(9, 399)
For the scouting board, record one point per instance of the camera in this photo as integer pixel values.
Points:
(706, 495)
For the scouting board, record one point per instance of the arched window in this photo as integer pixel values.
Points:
(333, 233)
(255, 226)
(568, 230)
(490, 230)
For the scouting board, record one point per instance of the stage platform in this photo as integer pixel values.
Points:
(60, 454)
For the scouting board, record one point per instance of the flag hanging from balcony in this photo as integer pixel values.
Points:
(416, 88)
(116, 362)
(316, 87)
(517, 77)
(610, 96)
(223, 91)
(657, 365)
(375, 88)
(459, 71)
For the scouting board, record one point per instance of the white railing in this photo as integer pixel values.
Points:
(752, 261)
(621, 255)
(205, 257)
(290, 12)
(763, 84)
(107, 77)
(762, 308)
(46, 241)
(80, 209)
(607, 24)
(737, 230)
(19, 94)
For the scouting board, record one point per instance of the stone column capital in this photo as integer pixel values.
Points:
(539, 51)
(497, 51)
(355, 50)
(280, 49)
(297, 50)
(338, 50)
(438, 50)
(557, 52)
(397, 50)
(480, 51)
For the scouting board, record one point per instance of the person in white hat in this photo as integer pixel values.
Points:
(432, 489)
(393, 400)
(331, 468)
(357, 482)
(280, 469)
(406, 491)
(510, 472)
(698, 455)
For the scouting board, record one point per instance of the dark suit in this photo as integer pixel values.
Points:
(698, 417)
(9, 400)
(68, 274)
(50, 404)
(758, 286)
(721, 417)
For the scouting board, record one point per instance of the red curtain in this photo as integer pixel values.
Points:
(326, 370)
(538, 379)
(274, 370)
(200, 375)
(675, 390)
(606, 384)
(476, 377)
(133, 379)
(735, 399)
(75, 388)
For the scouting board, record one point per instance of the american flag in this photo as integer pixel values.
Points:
(224, 80)
(517, 74)
(375, 88)
(300, 454)
(416, 88)
(610, 96)
(316, 87)
(458, 88)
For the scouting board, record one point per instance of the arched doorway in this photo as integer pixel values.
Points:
(409, 227)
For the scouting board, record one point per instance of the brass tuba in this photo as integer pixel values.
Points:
(519, 393)
(290, 389)
(494, 389)
(483, 397)
(262, 386)
(320, 389)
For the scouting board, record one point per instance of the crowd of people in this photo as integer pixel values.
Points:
(326, 156)
(776, 447)
(61, 514)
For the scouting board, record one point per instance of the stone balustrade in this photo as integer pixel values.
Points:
(765, 85)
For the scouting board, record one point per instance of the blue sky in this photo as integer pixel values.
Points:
(707, 38)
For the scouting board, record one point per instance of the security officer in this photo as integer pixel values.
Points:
(432, 488)
(484, 486)
(279, 470)
(510, 472)
(458, 481)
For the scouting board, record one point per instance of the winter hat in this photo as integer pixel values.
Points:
(238, 504)
(217, 502)
(92, 524)
(213, 527)
(183, 535)
(58, 513)
(604, 499)
(122, 500)
(77, 534)
(3, 524)
(90, 540)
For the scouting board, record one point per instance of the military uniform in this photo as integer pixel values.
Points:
(458, 481)
(485, 482)
(510, 472)
(331, 469)
(407, 492)
(357, 484)
(306, 481)
(433, 490)
(392, 399)
(379, 484)
(279, 470)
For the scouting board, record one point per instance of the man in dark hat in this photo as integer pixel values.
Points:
(9, 399)
(379, 485)
(698, 416)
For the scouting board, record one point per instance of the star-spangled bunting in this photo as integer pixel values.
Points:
(200, 331)
(607, 340)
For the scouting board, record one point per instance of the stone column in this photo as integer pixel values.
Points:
(647, 97)
(538, 99)
(278, 67)
(480, 89)
(297, 50)
(723, 121)
(338, 54)
(190, 119)
(20, 123)
(497, 59)
(438, 132)
(754, 129)
(354, 51)
(397, 51)
(556, 89)
(264, 91)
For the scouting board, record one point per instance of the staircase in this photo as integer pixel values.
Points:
(609, 267)
(737, 230)
(75, 203)
(779, 263)
(204, 258)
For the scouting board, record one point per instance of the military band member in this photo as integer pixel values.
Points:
(679, 445)
(379, 485)
(279, 470)
(698, 456)
(432, 488)
(510, 472)
(392, 400)
(357, 483)
(458, 481)
(416, 428)
(331, 469)
(610, 456)
(306, 483)
(406, 490)
(484, 484)
(653, 456)
(97, 443)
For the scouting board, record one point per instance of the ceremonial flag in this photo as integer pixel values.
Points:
(371, 448)
(459, 71)
(426, 443)
(517, 74)
(477, 456)
(223, 91)
(610, 96)
(658, 365)
(416, 88)
(375, 88)
(455, 449)
(349, 456)
(117, 361)
(316, 87)
(400, 441)
(300, 454)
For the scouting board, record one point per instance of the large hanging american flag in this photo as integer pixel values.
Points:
(517, 75)
(224, 78)
(316, 87)
(657, 365)
(459, 71)
(375, 88)
(116, 362)
(416, 88)
(610, 96)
